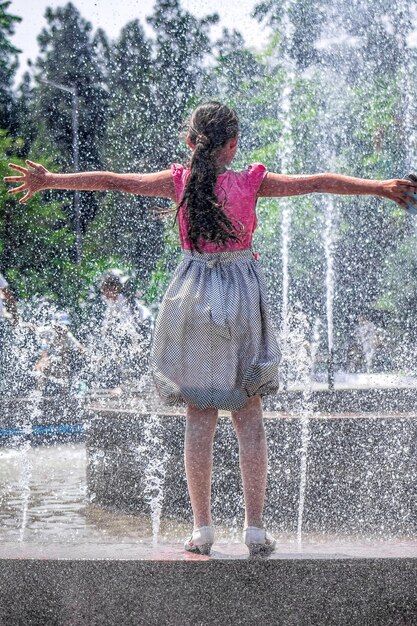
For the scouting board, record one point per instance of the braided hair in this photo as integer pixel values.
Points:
(210, 126)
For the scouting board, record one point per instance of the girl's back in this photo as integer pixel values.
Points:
(237, 193)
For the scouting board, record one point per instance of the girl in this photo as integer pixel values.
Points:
(214, 347)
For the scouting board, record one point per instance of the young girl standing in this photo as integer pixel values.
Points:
(214, 347)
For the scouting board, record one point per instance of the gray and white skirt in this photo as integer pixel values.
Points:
(214, 345)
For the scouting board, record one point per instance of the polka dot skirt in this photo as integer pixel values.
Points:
(214, 345)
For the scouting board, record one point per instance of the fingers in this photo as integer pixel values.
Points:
(410, 198)
(407, 185)
(18, 168)
(17, 189)
(403, 184)
(404, 193)
(29, 179)
(400, 201)
(12, 179)
(24, 170)
(25, 197)
(38, 166)
(406, 202)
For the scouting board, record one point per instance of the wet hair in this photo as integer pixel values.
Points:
(209, 127)
(113, 283)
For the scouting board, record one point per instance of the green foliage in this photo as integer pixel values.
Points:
(349, 113)
(8, 65)
(131, 100)
(351, 104)
(68, 59)
(34, 238)
(181, 46)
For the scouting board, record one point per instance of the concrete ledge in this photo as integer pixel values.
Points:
(342, 399)
(41, 420)
(312, 548)
(282, 591)
(345, 400)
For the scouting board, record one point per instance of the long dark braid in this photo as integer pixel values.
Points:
(210, 126)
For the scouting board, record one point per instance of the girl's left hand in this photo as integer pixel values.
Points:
(31, 180)
(398, 190)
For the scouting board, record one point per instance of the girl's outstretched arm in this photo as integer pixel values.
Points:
(36, 177)
(280, 185)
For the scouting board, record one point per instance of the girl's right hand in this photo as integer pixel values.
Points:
(398, 190)
(32, 180)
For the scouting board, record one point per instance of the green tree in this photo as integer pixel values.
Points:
(351, 112)
(182, 46)
(126, 225)
(152, 83)
(8, 66)
(35, 239)
(67, 57)
(306, 18)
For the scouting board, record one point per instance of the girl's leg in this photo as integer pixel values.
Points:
(198, 456)
(253, 455)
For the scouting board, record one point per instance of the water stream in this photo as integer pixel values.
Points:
(328, 237)
(154, 456)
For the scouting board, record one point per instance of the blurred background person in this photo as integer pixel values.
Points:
(60, 361)
(8, 317)
(8, 308)
(126, 332)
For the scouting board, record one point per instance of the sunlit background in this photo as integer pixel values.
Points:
(319, 86)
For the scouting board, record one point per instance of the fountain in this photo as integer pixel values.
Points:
(93, 498)
(328, 248)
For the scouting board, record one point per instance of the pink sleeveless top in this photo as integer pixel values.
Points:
(238, 191)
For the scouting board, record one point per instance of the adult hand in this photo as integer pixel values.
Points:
(398, 190)
(32, 180)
